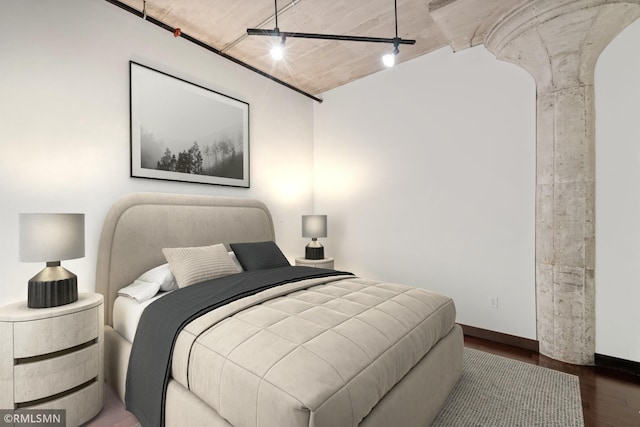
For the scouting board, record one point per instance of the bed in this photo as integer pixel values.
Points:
(326, 349)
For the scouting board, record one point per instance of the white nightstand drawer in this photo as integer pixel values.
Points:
(36, 337)
(37, 380)
(86, 404)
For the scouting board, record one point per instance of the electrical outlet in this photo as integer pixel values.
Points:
(494, 302)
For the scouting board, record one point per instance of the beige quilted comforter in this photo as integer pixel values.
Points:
(320, 352)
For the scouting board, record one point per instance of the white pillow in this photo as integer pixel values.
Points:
(146, 286)
(163, 276)
(195, 265)
(140, 291)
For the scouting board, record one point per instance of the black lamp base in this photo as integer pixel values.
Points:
(314, 250)
(52, 287)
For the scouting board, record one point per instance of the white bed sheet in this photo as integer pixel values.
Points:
(127, 312)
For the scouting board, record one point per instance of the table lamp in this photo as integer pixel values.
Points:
(314, 226)
(51, 238)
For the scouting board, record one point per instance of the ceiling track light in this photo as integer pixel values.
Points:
(396, 41)
(277, 51)
(389, 59)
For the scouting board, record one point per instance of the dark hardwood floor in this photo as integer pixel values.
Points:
(609, 398)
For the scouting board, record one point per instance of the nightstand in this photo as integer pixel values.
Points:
(52, 358)
(318, 263)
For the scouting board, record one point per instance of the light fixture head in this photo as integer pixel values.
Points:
(277, 51)
(390, 58)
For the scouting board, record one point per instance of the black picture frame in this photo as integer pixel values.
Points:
(181, 131)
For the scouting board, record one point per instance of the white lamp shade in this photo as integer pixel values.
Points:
(51, 237)
(314, 226)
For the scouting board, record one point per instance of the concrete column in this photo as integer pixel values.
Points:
(558, 43)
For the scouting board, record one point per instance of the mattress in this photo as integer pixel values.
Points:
(127, 312)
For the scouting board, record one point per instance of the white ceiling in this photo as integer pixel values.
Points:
(315, 66)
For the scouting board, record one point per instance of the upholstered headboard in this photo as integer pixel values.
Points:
(139, 225)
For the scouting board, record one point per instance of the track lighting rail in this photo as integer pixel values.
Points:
(287, 34)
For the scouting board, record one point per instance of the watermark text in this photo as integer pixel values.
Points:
(33, 418)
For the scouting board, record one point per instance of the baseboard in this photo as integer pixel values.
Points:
(501, 338)
(623, 365)
(601, 360)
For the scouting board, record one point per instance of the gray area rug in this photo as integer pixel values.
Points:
(498, 392)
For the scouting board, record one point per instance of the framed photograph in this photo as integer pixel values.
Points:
(184, 132)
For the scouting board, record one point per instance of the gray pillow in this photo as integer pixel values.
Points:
(259, 255)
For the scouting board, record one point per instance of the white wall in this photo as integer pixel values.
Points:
(64, 124)
(618, 197)
(426, 170)
(427, 173)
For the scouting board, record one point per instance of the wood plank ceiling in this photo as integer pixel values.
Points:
(315, 66)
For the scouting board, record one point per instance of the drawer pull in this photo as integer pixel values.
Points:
(40, 357)
(21, 405)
